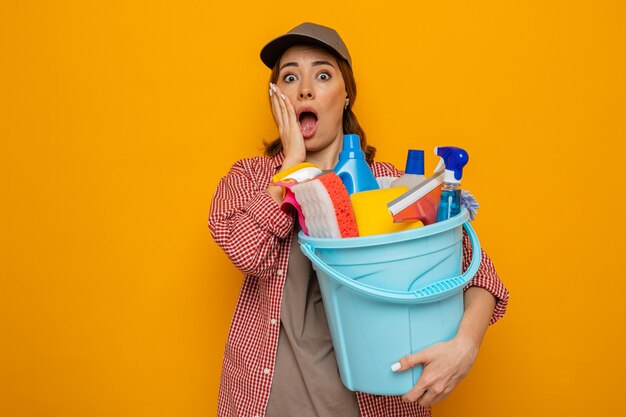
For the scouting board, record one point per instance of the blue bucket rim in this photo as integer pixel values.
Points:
(385, 238)
(433, 292)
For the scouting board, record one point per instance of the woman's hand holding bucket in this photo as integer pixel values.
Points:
(444, 364)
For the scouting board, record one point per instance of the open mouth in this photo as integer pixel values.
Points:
(308, 123)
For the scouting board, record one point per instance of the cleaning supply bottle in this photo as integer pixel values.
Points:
(352, 168)
(454, 160)
(414, 172)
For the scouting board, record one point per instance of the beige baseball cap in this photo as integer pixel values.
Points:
(309, 33)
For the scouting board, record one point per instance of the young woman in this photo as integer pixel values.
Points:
(279, 359)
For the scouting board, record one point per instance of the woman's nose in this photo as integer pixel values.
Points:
(305, 92)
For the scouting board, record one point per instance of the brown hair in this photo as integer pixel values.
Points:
(350, 122)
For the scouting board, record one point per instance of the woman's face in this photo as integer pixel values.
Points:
(310, 77)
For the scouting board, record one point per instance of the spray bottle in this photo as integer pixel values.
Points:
(352, 168)
(454, 160)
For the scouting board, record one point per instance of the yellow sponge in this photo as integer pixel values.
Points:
(373, 216)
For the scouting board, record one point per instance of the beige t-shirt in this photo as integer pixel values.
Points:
(306, 380)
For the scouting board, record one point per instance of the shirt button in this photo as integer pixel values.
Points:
(266, 371)
(273, 321)
(279, 272)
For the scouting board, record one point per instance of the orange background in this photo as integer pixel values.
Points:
(117, 120)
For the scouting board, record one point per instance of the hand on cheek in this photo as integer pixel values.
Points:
(288, 127)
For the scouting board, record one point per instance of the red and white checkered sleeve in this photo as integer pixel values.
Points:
(487, 278)
(246, 222)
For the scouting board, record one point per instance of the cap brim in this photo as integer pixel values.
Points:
(273, 50)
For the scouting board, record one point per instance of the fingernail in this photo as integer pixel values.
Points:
(270, 92)
(283, 97)
(274, 87)
(396, 366)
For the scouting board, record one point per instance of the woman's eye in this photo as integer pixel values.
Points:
(324, 76)
(289, 78)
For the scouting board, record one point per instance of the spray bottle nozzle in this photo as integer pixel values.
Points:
(454, 159)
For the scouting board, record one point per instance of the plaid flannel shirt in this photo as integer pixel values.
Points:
(256, 235)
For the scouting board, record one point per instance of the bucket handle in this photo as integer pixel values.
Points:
(430, 293)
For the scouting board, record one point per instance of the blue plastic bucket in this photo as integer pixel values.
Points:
(389, 295)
